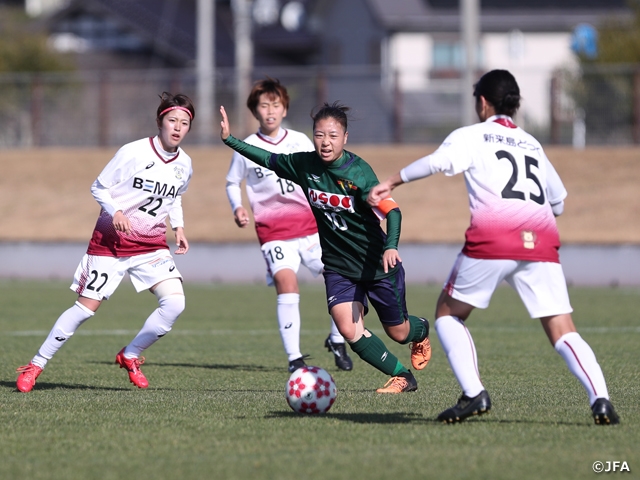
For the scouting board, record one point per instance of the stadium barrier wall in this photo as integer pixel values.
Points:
(584, 265)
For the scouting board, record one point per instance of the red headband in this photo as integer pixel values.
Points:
(176, 108)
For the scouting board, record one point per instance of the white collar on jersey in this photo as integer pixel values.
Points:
(275, 140)
(166, 156)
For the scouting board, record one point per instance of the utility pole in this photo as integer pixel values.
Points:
(244, 61)
(470, 32)
(205, 68)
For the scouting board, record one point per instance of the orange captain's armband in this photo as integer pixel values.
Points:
(384, 207)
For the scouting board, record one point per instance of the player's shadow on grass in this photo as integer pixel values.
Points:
(365, 418)
(62, 386)
(208, 366)
(407, 418)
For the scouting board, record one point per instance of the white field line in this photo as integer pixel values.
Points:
(274, 331)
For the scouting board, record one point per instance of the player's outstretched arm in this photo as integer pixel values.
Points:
(181, 241)
(383, 190)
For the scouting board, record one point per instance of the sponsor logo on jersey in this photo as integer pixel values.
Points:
(179, 171)
(157, 188)
(313, 178)
(150, 165)
(330, 201)
(346, 185)
(160, 261)
(528, 239)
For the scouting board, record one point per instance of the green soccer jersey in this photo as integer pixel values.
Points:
(351, 237)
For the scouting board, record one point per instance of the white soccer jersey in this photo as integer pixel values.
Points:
(146, 183)
(280, 209)
(511, 186)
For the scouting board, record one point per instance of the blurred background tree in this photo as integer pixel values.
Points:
(23, 48)
(610, 76)
(619, 42)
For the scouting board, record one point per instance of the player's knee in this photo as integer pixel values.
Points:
(172, 306)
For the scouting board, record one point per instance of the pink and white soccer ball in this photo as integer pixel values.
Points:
(310, 390)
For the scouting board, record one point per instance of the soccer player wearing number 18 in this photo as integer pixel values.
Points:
(361, 261)
(137, 190)
(514, 193)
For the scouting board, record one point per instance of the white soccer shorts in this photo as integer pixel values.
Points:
(98, 277)
(279, 254)
(540, 285)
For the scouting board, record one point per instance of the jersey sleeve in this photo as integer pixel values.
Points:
(451, 158)
(258, 155)
(176, 215)
(122, 166)
(556, 193)
(284, 165)
(236, 174)
(104, 198)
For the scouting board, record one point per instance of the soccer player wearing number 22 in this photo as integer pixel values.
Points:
(514, 193)
(137, 190)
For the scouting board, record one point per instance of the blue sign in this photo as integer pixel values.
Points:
(584, 40)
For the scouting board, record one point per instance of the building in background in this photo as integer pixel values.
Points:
(396, 62)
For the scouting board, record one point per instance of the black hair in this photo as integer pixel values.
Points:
(501, 90)
(168, 100)
(336, 110)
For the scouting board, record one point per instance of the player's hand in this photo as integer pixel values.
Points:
(224, 124)
(121, 223)
(383, 190)
(390, 259)
(241, 216)
(181, 242)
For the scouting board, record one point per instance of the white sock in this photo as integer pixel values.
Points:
(583, 364)
(288, 311)
(335, 333)
(62, 330)
(157, 325)
(458, 345)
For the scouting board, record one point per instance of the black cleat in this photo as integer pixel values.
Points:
(603, 412)
(466, 407)
(297, 363)
(339, 350)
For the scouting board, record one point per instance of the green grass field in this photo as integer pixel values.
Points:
(215, 407)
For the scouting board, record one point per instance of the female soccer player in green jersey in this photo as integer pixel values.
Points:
(361, 261)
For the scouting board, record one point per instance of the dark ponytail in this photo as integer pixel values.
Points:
(501, 90)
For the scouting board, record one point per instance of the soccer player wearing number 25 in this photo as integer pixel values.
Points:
(284, 223)
(360, 260)
(137, 190)
(514, 193)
